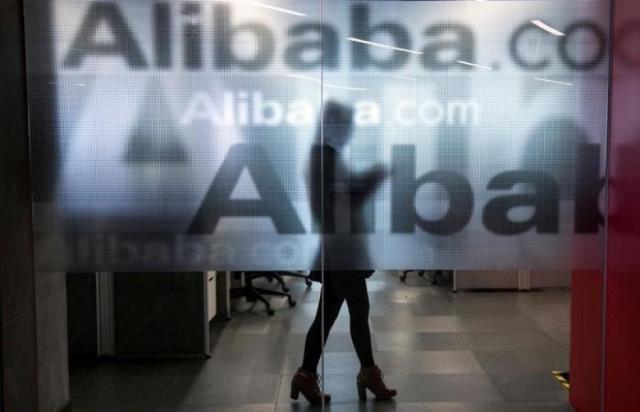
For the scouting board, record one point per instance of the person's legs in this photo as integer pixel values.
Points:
(313, 343)
(306, 379)
(370, 375)
(354, 289)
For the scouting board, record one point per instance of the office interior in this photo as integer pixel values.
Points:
(182, 179)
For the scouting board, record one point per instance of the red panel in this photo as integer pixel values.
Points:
(622, 345)
(622, 317)
(586, 340)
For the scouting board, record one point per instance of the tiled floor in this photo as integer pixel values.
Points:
(471, 351)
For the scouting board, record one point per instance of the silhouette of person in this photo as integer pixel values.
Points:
(338, 198)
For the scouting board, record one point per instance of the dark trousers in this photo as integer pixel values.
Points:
(337, 288)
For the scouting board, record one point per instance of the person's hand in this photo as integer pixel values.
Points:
(383, 171)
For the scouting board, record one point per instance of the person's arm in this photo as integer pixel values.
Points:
(365, 183)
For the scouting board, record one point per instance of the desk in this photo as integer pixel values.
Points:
(522, 279)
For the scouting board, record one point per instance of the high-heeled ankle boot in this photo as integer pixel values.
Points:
(371, 378)
(308, 384)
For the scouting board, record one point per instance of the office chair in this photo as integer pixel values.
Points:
(403, 276)
(438, 275)
(254, 293)
(279, 277)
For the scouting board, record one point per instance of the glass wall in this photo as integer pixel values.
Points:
(476, 144)
(189, 126)
(464, 139)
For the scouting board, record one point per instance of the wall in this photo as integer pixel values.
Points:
(17, 291)
(622, 339)
(32, 306)
(604, 371)
(586, 340)
(52, 341)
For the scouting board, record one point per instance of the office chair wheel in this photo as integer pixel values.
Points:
(308, 282)
(292, 303)
(270, 312)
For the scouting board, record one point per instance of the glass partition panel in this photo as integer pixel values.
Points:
(467, 132)
(465, 142)
(170, 137)
(173, 135)
(472, 128)
(270, 141)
